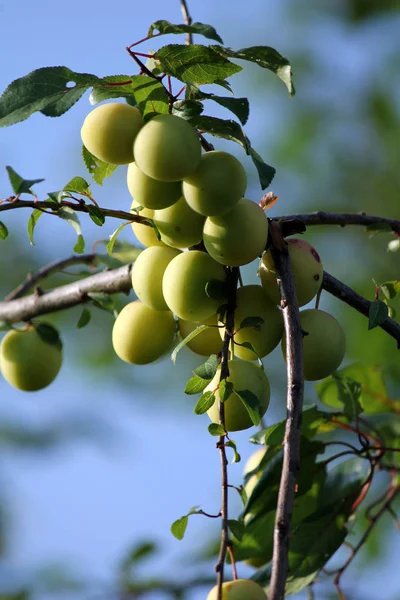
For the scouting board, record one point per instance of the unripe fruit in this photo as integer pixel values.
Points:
(205, 343)
(251, 301)
(149, 192)
(144, 233)
(167, 148)
(27, 361)
(325, 345)
(109, 131)
(240, 589)
(307, 272)
(252, 464)
(141, 334)
(244, 375)
(239, 236)
(184, 285)
(147, 275)
(217, 184)
(179, 225)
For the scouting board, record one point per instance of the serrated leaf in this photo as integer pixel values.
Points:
(222, 128)
(378, 312)
(163, 27)
(186, 109)
(77, 185)
(102, 91)
(204, 403)
(236, 528)
(349, 392)
(266, 173)
(225, 389)
(251, 404)
(49, 334)
(266, 58)
(68, 214)
(216, 429)
(236, 455)
(113, 237)
(208, 369)
(96, 167)
(47, 89)
(195, 385)
(253, 322)
(33, 219)
(238, 106)
(84, 318)
(96, 215)
(195, 63)
(178, 527)
(3, 231)
(187, 339)
(19, 184)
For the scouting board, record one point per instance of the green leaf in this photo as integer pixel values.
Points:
(195, 385)
(195, 63)
(96, 215)
(105, 91)
(253, 322)
(78, 185)
(103, 301)
(238, 106)
(236, 528)
(33, 219)
(266, 58)
(84, 319)
(186, 109)
(225, 389)
(136, 554)
(208, 369)
(205, 402)
(216, 429)
(49, 334)
(378, 312)
(3, 231)
(390, 289)
(222, 128)
(150, 95)
(349, 392)
(178, 527)
(113, 237)
(266, 173)
(251, 404)
(236, 455)
(47, 89)
(187, 339)
(68, 214)
(96, 167)
(165, 27)
(19, 184)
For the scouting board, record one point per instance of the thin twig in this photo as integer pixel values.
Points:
(54, 267)
(187, 19)
(295, 385)
(361, 304)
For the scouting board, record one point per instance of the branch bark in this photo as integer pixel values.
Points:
(342, 219)
(295, 386)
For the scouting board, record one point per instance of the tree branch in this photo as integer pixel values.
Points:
(24, 309)
(295, 385)
(342, 219)
(187, 19)
(361, 304)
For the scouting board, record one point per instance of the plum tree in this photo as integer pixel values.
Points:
(109, 131)
(239, 589)
(28, 361)
(141, 334)
(307, 272)
(205, 343)
(244, 375)
(237, 237)
(167, 148)
(144, 233)
(217, 184)
(149, 192)
(251, 301)
(147, 275)
(184, 285)
(324, 344)
(179, 225)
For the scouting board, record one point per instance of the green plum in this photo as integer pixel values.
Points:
(179, 225)
(237, 237)
(239, 589)
(108, 132)
(144, 233)
(147, 275)
(149, 192)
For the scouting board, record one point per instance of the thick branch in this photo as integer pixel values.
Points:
(295, 385)
(342, 219)
(361, 304)
(109, 282)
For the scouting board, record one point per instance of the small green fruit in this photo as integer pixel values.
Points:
(237, 237)
(205, 343)
(217, 184)
(307, 272)
(144, 233)
(240, 589)
(167, 148)
(147, 275)
(108, 132)
(325, 345)
(141, 334)
(28, 362)
(149, 192)
(184, 285)
(244, 375)
(179, 225)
